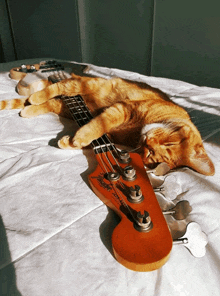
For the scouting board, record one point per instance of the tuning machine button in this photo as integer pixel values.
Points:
(124, 156)
(195, 240)
(143, 222)
(129, 173)
(180, 211)
(113, 176)
(135, 194)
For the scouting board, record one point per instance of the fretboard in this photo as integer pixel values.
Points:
(81, 114)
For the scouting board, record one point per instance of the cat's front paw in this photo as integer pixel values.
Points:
(68, 142)
(80, 140)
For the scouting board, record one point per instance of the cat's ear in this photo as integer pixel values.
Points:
(201, 163)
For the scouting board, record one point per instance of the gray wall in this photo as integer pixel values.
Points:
(7, 50)
(186, 42)
(166, 38)
(45, 28)
(117, 33)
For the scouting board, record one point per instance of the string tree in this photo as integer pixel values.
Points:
(113, 176)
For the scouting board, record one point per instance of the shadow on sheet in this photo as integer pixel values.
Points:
(7, 269)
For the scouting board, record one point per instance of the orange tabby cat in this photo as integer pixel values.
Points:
(133, 113)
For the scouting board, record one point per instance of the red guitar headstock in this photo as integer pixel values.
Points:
(142, 240)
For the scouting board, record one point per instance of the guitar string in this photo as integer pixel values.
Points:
(102, 137)
(77, 120)
(122, 201)
(60, 74)
(97, 141)
(119, 195)
(50, 73)
(70, 104)
(106, 136)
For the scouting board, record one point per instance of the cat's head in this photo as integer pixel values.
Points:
(176, 143)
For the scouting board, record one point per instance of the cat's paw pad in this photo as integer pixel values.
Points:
(68, 142)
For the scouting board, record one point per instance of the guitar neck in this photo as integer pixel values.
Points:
(82, 115)
(142, 240)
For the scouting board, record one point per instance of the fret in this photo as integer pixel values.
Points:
(102, 144)
(77, 110)
(81, 114)
(80, 121)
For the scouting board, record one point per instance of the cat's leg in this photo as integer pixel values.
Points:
(68, 87)
(111, 118)
(53, 105)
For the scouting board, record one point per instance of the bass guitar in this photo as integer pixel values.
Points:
(142, 240)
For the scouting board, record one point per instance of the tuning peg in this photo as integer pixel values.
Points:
(170, 188)
(180, 211)
(194, 240)
(124, 156)
(160, 170)
(135, 194)
(129, 173)
(155, 181)
(143, 222)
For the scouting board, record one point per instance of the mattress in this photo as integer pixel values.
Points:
(56, 233)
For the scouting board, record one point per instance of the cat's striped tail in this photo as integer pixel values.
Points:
(13, 104)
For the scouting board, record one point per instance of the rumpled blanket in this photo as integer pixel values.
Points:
(55, 234)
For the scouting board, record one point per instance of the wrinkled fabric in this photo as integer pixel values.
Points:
(55, 234)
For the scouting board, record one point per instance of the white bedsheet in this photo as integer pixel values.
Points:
(55, 234)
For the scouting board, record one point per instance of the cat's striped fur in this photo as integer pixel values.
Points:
(133, 113)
